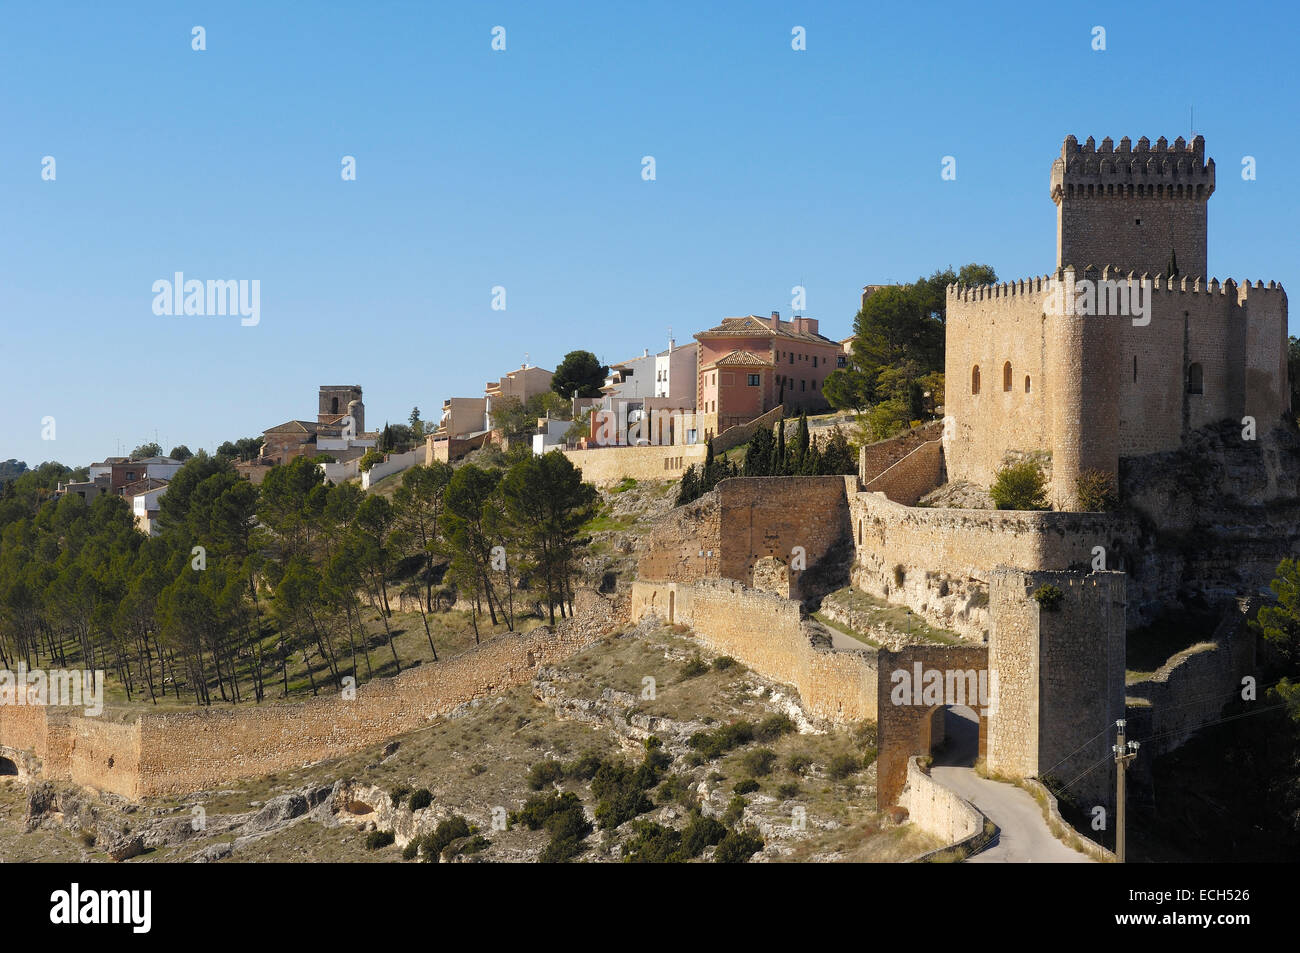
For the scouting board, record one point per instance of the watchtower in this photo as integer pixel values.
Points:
(335, 403)
(1134, 208)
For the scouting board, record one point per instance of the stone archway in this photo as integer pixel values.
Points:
(8, 768)
(915, 686)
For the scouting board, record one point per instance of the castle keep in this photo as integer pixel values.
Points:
(1066, 365)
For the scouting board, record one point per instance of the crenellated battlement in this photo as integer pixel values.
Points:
(1179, 171)
(1182, 284)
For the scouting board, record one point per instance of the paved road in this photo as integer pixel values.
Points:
(1023, 835)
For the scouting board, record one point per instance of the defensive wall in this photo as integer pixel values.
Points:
(938, 811)
(745, 519)
(926, 558)
(1091, 388)
(182, 751)
(605, 466)
(764, 632)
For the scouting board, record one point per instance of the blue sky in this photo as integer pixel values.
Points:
(522, 169)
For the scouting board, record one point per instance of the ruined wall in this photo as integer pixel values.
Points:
(764, 632)
(604, 466)
(769, 516)
(744, 519)
(181, 751)
(1191, 688)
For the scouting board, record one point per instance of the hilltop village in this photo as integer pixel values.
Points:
(795, 601)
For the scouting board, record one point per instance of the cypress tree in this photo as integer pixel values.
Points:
(778, 464)
(800, 449)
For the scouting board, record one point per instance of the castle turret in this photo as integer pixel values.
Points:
(1134, 207)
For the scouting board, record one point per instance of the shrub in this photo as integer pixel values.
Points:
(1049, 597)
(399, 793)
(715, 743)
(773, 727)
(1097, 491)
(695, 666)
(759, 761)
(411, 850)
(900, 574)
(377, 839)
(435, 842)
(798, 763)
(562, 817)
(747, 786)
(723, 662)
(653, 843)
(843, 766)
(543, 773)
(700, 833)
(624, 485)
(737, 847)
(1020, 486)
(735, 810)
(585, 768)
(369, 459)
(676, 789)
(421, 799)
(788, 789)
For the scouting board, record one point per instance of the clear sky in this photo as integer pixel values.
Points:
(523, 169)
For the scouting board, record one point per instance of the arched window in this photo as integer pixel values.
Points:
(975, 380)
(1195, 379)
(1006, 376)
(1027, 386)
(334, 406)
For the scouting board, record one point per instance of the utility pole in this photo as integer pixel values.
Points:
(1124, 753)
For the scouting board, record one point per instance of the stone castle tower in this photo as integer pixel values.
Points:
(1084, 388)
(339, 401)
(1134, 209)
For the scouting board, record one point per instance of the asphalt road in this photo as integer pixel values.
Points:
(1023, 835)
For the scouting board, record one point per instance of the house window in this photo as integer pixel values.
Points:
(1195, 379)
(975, 380)
(791, 356)
(1006, 376)
(814, 360)
(841, 361)
(753, 380)
(801, 385)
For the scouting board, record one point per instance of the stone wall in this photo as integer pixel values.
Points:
(937, 810)
(1191, 689)
(911, 477)
(746, 519)
(905, 719)
(182, 751)
(1060, 682)
(764, 632)
(735, 436)
(875, 458)
(605, 466)
(938, 551)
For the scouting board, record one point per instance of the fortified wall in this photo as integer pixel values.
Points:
(183, 751)
(726, 532)
(764, 632)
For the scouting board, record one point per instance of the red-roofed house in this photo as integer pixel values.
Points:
(749, 365)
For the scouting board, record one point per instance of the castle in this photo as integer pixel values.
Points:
(1095, 381)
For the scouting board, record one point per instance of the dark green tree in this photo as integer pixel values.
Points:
(579, 371)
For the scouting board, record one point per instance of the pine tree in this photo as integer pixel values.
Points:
(690, 488)
(779, 463)
(801, 441)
